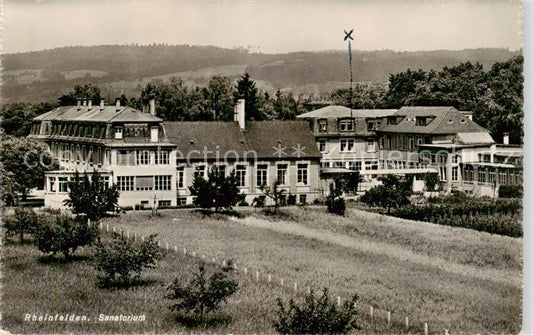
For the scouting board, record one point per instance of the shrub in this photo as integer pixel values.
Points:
(91, 197)
(334, 202)
(122, 262)
(216, 191)
(259, 201)
(275, 193)
(60, 234)
(317, 315)
(24, 221)
(393, 193)
(291, 199)
(431, 181)
(202, 296)
(510, 191)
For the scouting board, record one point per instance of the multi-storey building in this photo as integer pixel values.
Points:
(152, 162)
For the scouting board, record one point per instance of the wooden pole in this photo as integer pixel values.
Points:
(371, 312)
(426, 328)
(257, 275)
(388, 317)
(406, 322)
(338, 301)
(295, 287)
(281, 281)
(269, 278)
(185, 251)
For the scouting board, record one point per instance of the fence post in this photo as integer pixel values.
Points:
(203, 256)
(167, 245)
(143, 238)
(308, 289)
(113, 229)
(406, 322)
(446, 332)
(134, 236)
(245, 271)
(338, 301)
(257, 275)
(269, 278)
(176, 249)
(281, 282)
(194, 254)
(388, 317)
(185, 251)
(101, 225)
(295, 287)
(107, 226)
(371, 312)
(128, 234)
(214, 260)
(425, 328)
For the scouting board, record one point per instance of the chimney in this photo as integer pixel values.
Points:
(118, 103)
(90, 104)
(102, 103)
(505, 138)
(152, 107)
(238, 113)
(154, 134)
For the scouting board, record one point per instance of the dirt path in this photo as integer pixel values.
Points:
(287, 227)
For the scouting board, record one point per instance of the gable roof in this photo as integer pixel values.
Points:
(215, 140)
(341, 112)
(445, 120)
(97, 114)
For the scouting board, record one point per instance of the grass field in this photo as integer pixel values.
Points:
(452, 278)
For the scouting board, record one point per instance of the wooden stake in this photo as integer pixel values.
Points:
(295, 287)
(176, 249)
(446, 332)
(371, 312)
(167, 245)
(185, 251)
(269, 278)
(107, 227)
(406, 322)
(128, 234)
(426, 328)
(257, 275)
(388, 317)
(281, 282)
(224, 263)
(338, 300)
(245, 271)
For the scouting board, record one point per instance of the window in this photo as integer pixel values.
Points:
(144, 183)
(455, 173)
(164, 203)
(324, 165)
(322, 126)
(455, 159)
(421, 121)
(52, 184)
(182, 201)
(222, 169)
(356, 166)
(370, 145)
(339, 164)
(419, 140)
(469, 174)
(492, 176)
(162, 157)
(180, 176)
(143, 157)
(442, 159)
(118, 133)
(282, 174)
(347, 144)
(322, 145)
(411, 143)
(302, 174)
(371, 165)
(105, 181)
(481, 175)
(240, 174)
(303, 198)
(503, 177)
(442, 173)
(370, 125)
(433, 159)
(346, 125)
(200, 170)
(262, 170)
(125, 183)
(162, 183)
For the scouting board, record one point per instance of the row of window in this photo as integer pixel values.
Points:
(60, 184)
(302, 174)
(143, 157)
(72, 129)
(347, 145)
(144, 183)
(403, 142)
(347, 125)
(351, 165)
(488, 176)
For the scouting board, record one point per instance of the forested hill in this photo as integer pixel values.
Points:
(45, 75)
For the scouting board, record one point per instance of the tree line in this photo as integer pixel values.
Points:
(494, 96)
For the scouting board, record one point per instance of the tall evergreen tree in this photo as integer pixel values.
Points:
(246, 90)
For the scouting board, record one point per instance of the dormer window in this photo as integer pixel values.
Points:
(423, 120)
(370, 125)
(346, 125)
(393, 120)
(118, 133)
(322, 126)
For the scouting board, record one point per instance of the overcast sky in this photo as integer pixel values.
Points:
(274, 27)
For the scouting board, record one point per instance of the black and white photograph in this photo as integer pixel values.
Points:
(263, 167)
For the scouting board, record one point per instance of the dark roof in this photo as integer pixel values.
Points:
(446, 120)
(217, 139)
(341, 112)
(268, 138)
(97, 114)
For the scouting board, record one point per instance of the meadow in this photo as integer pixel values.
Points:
(452, 278)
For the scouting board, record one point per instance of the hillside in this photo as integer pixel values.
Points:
(44, 75)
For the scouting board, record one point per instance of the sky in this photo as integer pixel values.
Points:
(270, 27)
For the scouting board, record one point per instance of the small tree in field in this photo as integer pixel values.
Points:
(216, 191)
(91, 197)
(202, 296)
(334, 201)
(24, 221)
(122, 261)
(317, 315)
(275, 193)
(60, 234)
(393, 193)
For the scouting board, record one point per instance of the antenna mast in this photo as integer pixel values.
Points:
(348, 36)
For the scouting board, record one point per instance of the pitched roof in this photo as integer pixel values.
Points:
(97, 114)
(474, 138)
(281, 139)
(341, 111)
(445, 120)
(215, 140)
